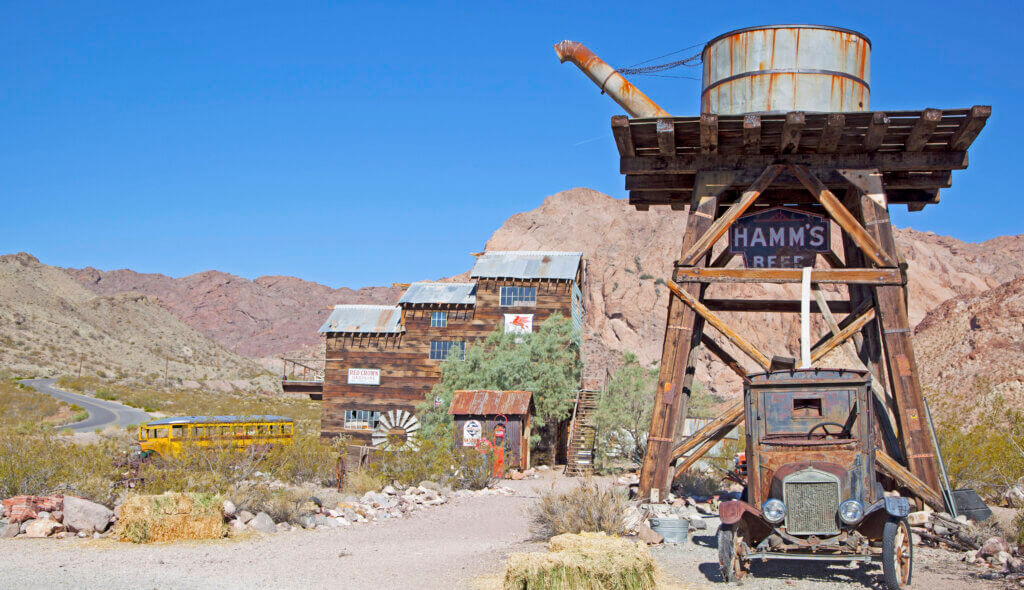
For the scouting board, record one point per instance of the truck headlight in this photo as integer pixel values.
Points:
(851, 511)
(773, 510)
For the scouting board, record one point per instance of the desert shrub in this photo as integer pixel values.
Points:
(696, 483)
(588, 561)
(42, 463)
(587, 507)
(25, 408)
(1018, 529)
(437, 461)
(986, 453)
(281, 503)
(170, 517)
(360, 481)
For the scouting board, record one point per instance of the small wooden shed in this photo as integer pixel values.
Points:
(476, 413)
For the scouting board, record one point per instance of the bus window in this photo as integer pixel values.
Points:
(199, 431)
(239, 430)
(250, 429)
(264, 430)
(142, 434)
(225, 431)
(161, 432)
(177, 431)
(287, 428)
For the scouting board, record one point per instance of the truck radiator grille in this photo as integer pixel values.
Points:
(811, 507)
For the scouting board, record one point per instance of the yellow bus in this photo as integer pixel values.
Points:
(166, 436)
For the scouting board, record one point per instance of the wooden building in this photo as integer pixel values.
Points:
(477, 413)
(387, 358)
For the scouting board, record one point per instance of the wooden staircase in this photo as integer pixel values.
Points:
(582, 432)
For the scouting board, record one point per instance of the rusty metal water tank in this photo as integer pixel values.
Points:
(782, 68)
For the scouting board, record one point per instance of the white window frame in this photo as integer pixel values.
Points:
(440, 349)
(439, 319)
(361, 419)
(517, 296)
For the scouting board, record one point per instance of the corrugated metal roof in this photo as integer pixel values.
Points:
(484, 401)
(426, 292)
(527, 265)
(217, 419)
(367, 319)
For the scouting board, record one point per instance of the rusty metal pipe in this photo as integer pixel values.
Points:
(629, 97)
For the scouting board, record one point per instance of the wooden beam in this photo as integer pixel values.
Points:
(923, 129)
(666, 130)
(730, 418)
(884, 161)
(829, 139)
(876, 132)
(721, 225)
(769, 305)
(791, 131)
(723, 259)
(752, 134)
(830, 178)
(700, 452)
(708, 133)
(969, 128)
(909, 480)
(843, 217)
(623, 136)
(733, 336)
(660, 182)
(836, 339)
(683, 328)
(864, 276)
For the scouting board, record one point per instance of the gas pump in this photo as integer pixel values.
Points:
(499, 445)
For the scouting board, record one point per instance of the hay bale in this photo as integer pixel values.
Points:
(587, 561)
(170, 517)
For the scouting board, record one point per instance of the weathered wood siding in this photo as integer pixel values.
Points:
(407, 372)
(517, 454)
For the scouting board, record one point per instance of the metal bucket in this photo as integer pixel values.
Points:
(673, 530)
(782, 68)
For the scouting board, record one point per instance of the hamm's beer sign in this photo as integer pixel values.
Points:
(779, 237)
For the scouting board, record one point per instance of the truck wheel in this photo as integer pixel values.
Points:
(897, 554)
(730, 549)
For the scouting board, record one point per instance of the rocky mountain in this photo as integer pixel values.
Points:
(260, 318)
(51, 325)
(974, 345)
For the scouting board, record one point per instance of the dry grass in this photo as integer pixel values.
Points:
(437, 461)
(587, 561)
(587, 507)
(170, 517)
(360, 481)
(25, 409)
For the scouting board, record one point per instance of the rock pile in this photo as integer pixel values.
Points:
(53, 516)
(638, 515)
(993, 553)
(388, 503)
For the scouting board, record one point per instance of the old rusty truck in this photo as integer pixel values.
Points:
(812, 491)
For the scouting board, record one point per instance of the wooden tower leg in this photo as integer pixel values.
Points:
(682, 333)
(899, 352)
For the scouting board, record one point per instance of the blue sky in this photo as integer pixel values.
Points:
(364, 144)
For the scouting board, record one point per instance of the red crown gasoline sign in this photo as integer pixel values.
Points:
(779, 237)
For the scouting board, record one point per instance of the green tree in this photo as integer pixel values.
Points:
(623, 414)
(546, 362)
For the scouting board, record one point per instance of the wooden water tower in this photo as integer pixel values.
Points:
(785, 140)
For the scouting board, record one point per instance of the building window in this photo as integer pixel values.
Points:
(517, 296)
(361, 419)
(438, 319)
(439, 349)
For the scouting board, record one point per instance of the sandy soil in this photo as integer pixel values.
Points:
(444, 547)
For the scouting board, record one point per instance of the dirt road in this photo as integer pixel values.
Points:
(446, 547)
(102, 413)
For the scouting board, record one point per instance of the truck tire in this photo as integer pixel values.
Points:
(728, 559)
(897, 554)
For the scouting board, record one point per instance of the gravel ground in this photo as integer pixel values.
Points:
(442, 547)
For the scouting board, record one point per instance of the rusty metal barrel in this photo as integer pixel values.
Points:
(782, 68)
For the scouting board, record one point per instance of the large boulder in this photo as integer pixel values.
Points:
(10, 530)
(43, 527)
(83, 515)
(993, 546)
(263, 523)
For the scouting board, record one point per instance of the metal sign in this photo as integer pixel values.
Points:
(364, 376)
(779, 237)
(519, 323)
(472, 430)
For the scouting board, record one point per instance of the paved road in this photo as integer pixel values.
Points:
(102, 413)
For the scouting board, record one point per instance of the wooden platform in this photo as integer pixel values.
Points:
(916, 151)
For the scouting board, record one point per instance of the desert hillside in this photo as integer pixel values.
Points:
(50, 324)
(264, 317)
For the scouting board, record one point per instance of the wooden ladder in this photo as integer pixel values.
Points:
(582, 433)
